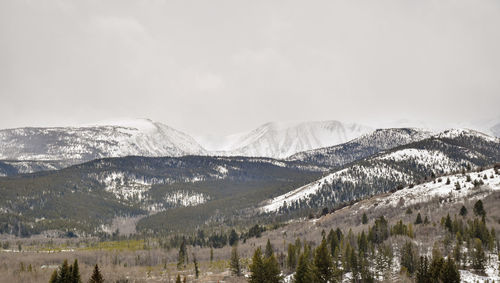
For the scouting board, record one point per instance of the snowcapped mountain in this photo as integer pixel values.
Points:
(364, 146)
(134, 137)
(280, 140)
(444, 153)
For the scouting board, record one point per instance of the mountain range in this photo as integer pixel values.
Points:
(178, 193)
(32, 149)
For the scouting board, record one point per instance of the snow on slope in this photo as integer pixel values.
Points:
(424, 157)
(438, 188)
(397, 167)
(135, 137)
(280, 140)
(345, 175)
(363, 146)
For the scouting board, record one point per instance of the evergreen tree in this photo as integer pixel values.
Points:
(54, 278)
(182, 257)
(364, 219)
(233, 237)
(423, 275)
(257, 270)
(479, 209)
(448, 223)
(196, 269)
(211, 254)
(304, 273)
(463, 211)
(449, 272)
(178, 279)
(478, 256)
(364, 270)
(64, 273)
(419, 219)
(272, 270)
(426, 220)
(75, 273)
(269, 249)
(235, 261)
(323, 263)
(436, 266)
(379, 232)
(409, 257)
(291, 259)
(354, 264)
(362, 242)
(96, 276)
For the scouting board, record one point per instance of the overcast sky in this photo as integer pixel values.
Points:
(226, 66)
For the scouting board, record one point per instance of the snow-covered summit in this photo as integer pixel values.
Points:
(282, 139)
(363, 146)
(463, 132)
(133, 137)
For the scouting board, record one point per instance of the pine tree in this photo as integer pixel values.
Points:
(478, 256)
(423, 275)
(463, 211)
(235, 261)
(178, 279)
(181, 259)
(364, 219)
(272, 269)
(196, 269)
(64, 273)
(233, 237)
(54, 278)
(436, 266)
(323, 263)
(419, 219)
(364, 270)
(291, 259)
(257, 270)
(75, 273)
(354, 264)
(362, 242)
(304, 273)
(96, 276)
(426, 220)
(269, 249)
(479, 209)
(409, 257)
(449, 272)
(448, 223)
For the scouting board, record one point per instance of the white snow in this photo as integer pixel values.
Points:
(282, 139)
(344, 175)
(126, 187)
(134, 137)
(428, 191)
(186, 198)
(491, 270)
(425, 157)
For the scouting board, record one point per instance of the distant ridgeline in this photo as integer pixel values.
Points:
(180, 194)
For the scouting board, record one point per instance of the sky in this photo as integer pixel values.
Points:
(219, 67)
